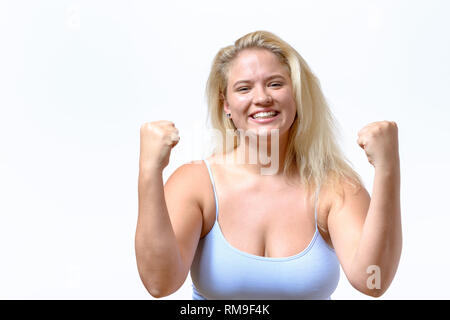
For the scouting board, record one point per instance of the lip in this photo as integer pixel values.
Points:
(266, 120)
(265, 110)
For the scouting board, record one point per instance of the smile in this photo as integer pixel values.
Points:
(264, 117)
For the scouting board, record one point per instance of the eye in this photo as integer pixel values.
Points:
(278, 84)
(242, 88)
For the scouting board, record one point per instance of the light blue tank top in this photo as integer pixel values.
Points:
(222, 272)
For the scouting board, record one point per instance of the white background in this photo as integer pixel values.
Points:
(78, 78)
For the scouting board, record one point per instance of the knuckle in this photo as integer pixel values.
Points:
(146, 127)
(167, 123)
(149, 125)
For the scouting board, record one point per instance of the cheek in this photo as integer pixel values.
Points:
(242, 99)
(240, 103)
(294, 107)
(290, 104)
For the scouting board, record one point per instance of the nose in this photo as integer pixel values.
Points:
(261, 97)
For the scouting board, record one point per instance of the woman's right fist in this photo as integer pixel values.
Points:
(157, 140)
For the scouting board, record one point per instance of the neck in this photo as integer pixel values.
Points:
(261, 154)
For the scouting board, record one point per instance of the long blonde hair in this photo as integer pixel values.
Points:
(312, 150)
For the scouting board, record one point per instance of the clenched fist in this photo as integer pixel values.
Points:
(157, 140)
(379, 140)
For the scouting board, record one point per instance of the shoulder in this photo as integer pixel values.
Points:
(335, 194)
(336, 189)
(189, 168)
(189, 181)
(348, 195)
(188, 173)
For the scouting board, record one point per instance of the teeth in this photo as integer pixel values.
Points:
(264, 114)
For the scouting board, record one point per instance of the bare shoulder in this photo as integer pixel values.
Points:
(335, 195)
(350, 193)
(348, 209)
(332, 200)
(188, 181)
(187, 170)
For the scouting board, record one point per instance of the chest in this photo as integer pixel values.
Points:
(268, 221)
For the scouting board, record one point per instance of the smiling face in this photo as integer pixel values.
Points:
(259, 82)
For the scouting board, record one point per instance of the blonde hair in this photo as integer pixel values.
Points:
(312, 150)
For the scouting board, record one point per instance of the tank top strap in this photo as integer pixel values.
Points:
(315, 205)
(213, 185)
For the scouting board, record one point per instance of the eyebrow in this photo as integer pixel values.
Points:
(268, 78)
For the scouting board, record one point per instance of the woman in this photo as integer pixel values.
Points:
(248, 235)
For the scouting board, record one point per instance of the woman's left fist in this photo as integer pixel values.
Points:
(379, 140)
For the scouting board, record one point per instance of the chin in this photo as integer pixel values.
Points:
(264, 131)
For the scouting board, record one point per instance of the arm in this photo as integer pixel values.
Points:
(168, 230)
(366, 232)
(170, 219)
(369, 238)
(381, 239)
(157, 254)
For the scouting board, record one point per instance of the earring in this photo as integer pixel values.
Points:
(229, 115)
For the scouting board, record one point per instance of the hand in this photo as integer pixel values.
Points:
(380, 142)
(157, 140)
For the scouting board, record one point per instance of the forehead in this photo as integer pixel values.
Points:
(254, 62)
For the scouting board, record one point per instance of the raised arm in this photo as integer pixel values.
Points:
(366, 231)
(169, 219)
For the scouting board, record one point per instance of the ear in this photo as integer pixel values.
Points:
(226, 106)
